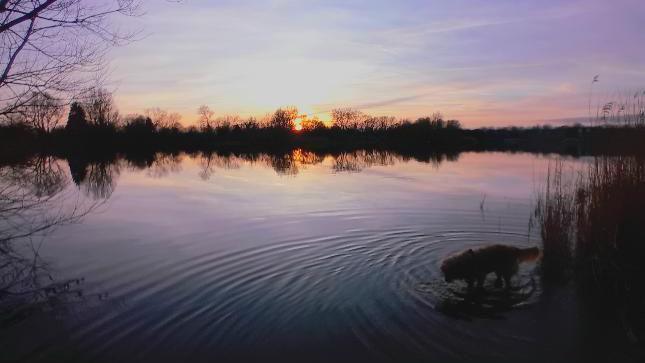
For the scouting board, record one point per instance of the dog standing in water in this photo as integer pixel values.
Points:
(474, 265)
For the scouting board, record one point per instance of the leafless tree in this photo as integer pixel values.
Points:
(55, 46)
(101, 179)
(206, 117)
(358, 160)
(28, 215)
(227, 121)
(210, 161)
(100, 108)
(163, 119)
(41, 176)
(34, 199)
(378, 123)
(165, 164)
(43, 112)
(347, 118)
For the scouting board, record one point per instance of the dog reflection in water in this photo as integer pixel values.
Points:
(473, 266)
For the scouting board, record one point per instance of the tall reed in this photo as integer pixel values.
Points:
(555, 212)
(594, 229)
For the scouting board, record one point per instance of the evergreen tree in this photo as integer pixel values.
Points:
(76, 119)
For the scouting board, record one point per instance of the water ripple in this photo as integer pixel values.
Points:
(380, 288)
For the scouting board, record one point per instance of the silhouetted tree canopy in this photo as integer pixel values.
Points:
(76, 120)
(139, 125)
(283, 118)
(163, 119)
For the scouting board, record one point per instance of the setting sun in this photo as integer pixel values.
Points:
(275, 181)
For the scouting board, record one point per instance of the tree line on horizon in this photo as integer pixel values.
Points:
(93, 121)
(94, 124)
(45, 114)
(96, 109)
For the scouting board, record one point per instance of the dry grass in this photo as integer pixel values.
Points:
(555, 213)
(610, 222)
(595, 230)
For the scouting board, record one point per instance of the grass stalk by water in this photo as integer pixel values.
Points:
(593, 229)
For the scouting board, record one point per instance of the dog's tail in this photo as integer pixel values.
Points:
(528, 254)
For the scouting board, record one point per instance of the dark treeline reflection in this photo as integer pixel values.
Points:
(97, 177)
(291, 163)
(39, 194)
(35, 199)
(41, 176)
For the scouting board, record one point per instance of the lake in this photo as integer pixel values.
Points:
(292, 257)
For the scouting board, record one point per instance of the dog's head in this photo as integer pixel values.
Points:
(452, 267)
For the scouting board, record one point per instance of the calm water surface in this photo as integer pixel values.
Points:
(299, 257)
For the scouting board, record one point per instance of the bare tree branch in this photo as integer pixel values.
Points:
(55, 46)
(27, 16)
(12, 59)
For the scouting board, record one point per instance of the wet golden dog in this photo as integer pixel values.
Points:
(473, 266)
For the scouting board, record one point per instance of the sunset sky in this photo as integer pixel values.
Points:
(487, 63)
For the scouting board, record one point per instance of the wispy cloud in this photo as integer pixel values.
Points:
(484, 62)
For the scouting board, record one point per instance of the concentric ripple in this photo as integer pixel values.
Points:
(377, 289)
(216, 273)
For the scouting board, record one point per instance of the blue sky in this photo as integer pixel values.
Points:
(494, 62)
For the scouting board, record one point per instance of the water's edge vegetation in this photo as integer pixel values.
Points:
(592, 227)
